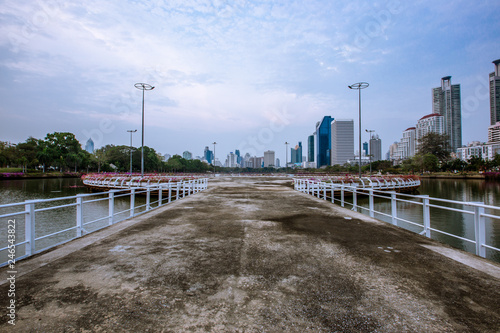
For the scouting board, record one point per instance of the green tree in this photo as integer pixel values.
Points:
(430, 162)
(435, 144)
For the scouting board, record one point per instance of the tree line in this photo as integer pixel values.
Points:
(61, 151)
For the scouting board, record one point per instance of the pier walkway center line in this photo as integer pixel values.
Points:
(253, 255)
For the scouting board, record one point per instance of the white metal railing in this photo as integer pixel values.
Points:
(337, 193)
(164, 192)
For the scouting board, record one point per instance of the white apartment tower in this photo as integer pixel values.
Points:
(342, 141)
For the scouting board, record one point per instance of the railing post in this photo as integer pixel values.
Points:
(111, 209)
(132, 202)
(160, 194)
(479, 230)
(370, 200)
(29, 226)
(342, 196)
(332, 191)
(148, 197)
(324, 191)
(79, 215)
(354, 200)
(308, 187)
(427, 215)
(394, 208)
(169, 191)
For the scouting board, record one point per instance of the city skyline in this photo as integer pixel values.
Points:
(249, 76)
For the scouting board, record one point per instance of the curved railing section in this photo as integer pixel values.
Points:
(392, 201)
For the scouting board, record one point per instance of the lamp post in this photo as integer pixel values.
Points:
(214, 143)
(358, 86)
(286, 157)
(369, 145)
(143, 87)
(131, 131)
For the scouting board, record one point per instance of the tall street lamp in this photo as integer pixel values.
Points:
(131, 131)
(214, 143)
(369, 145)
(286, 157)
(143, 87)
(358, 86)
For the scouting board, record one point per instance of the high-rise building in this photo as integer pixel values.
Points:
(446, 101)
(269, 158)
(342, 133)
(296, 153)
(208, 155)
(238, 156)
(89, 146)
(495, 94)
(407, 145)
(323, 141)
(365, 148)
(231, 160)
(375, 148)
(430, 123)
(393, 152)
(278, 163)
(310, 148)
(187, 155)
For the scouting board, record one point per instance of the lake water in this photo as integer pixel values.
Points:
(453, 222)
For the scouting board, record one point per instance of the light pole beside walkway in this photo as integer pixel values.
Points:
(358, 86)
(143, 87)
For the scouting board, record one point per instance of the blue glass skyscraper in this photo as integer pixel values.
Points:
(324, 141)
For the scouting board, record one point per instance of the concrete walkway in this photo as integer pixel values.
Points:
(252, 255)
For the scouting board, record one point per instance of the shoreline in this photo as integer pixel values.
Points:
(451, 176)
(40, 176)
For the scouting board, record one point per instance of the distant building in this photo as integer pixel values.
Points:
(431, 123)
(208, 155)
(446, 101)
(238, 156)
(393, 152)
(323, 141)
(187, 155)
(310, 148)
(256, 162)
(342, 146)
(407, 145)
(365, 148)
(495, 94)
(494, 133)
(278, 163)
(89, 146)
(231, 160)
(486, 151)
(375, 148)
(269, 159)
(296, 154)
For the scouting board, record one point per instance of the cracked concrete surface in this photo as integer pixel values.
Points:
(252, 255)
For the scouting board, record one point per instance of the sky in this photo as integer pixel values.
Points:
(249, 75)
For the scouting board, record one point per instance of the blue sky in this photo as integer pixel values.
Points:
(247, 74)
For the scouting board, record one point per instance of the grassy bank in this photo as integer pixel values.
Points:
(449, 175)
